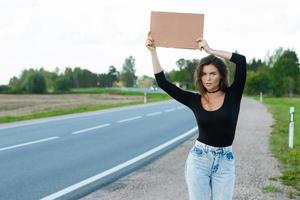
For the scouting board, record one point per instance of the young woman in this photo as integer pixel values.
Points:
(210, 165)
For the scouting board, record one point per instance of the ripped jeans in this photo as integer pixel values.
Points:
(210, 172)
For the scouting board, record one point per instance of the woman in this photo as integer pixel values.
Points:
(210, 165)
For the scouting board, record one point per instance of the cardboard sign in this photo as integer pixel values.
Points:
(176, 30)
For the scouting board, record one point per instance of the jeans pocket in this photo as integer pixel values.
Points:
(197, 151)
(229, 155)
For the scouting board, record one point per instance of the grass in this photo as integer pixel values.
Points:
(271, 189)
(292, 194)
(105, 91)
(289, 158)
(151, 97)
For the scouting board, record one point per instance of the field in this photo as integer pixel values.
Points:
(23, 107)
(16, 105)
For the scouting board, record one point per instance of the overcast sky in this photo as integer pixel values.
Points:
(95, 34)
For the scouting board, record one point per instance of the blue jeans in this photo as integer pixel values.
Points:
(210, 172)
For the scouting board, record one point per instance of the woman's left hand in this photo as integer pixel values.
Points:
(202, 44)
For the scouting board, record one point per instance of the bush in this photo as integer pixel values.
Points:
(36, 83)
(4, 89)
(62, 84)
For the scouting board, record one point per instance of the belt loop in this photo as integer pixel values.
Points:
(206, 148)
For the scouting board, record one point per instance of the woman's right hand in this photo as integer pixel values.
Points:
(150, 43)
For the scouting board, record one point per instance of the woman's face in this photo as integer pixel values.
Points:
(211, 77)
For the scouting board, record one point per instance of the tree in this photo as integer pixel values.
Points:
(181, 63)
(4, 89)
(178, 75)
(190, 70)
(257, 82)
(15, 85)
(104, 80)
(36, 83)
(113, 73)
(108, 80)
(284, 73)
(50, 78)
(185, 74)
(145, 81)
(271, 59)
(127, 75)
(68, 74)
(81, 77)
(255, 65)
(62, 83)
(297, 84)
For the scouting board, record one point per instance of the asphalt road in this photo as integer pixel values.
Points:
(256, 167)
(67, 157)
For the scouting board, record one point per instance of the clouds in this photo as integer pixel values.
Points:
(96, 34)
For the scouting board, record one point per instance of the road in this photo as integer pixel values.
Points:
(256, 167)
(67, 157)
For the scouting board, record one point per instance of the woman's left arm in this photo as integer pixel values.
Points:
(239, 60)
(202, 44)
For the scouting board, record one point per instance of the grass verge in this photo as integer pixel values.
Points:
(289, 158)
(271, 189)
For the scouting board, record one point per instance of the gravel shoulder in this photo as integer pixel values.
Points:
(164, 177)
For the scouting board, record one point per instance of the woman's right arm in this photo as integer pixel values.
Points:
(184, 97)
(151, 47)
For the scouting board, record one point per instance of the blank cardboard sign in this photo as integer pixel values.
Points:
(176, 30)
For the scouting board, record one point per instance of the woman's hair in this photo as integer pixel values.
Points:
(219, 64)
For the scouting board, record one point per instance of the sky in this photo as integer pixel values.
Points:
(95, 34)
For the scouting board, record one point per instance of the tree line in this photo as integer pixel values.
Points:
(41, 81)
(277, 75)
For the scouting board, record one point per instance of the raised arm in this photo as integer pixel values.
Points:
(151, 47)
(238, 84)
(184, 97)
(202, 44)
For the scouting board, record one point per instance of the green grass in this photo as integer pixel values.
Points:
(292, 194)
(151, 97)
(273, 179)
(105, 91)
(271, 189)
(289, 158)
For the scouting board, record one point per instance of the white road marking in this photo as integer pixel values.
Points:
(155, 113)
(129, 119)
(170, 110)
(89, 129)
(28, 143)
(116, 168)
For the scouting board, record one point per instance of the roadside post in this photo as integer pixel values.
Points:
(260, 96)
(145, 97)
(291, 127)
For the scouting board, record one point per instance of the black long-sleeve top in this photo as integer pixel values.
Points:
(216, 128)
